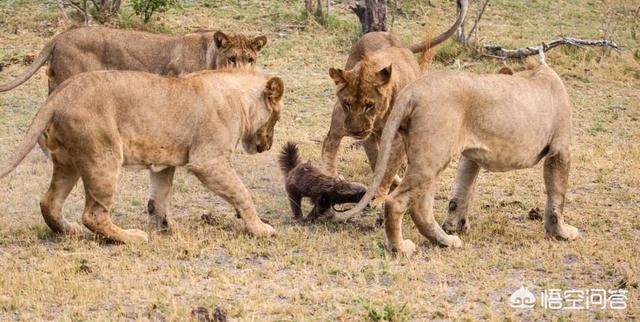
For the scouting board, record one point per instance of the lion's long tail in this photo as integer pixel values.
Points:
(42, 58)
(38, 125)
(401, 110)
(289, 158)
(462, 5)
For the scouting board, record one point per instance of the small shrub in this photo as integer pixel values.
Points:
(146, 8)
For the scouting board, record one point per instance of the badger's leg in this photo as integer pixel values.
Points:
(295, 200)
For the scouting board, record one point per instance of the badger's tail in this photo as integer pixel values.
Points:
(38, 125)
(401, 110)
(462, 5)
(42, 58)
(289, 157)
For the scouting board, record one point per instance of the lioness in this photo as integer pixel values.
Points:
(195, 122)
(378, 67)
(497, 122)
(98, 48)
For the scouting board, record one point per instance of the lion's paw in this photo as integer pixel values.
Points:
(73, 229)
(564, 232)
(453, 241)
(262, 230)
(136, 236)
(406, 248)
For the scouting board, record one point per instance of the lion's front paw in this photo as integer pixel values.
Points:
(406, 248)
(452, 241)
(261, 230)
(73, 229)
(564, 232)
(135, 236)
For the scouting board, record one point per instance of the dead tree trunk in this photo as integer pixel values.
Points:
(321, 9)
(106, 9)
(372, 14)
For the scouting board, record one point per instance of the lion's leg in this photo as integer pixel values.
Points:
(422, 212)
(220, 177)
(556, 177)
(395, 206)
(159, 205)
(330, 148)
(62, 182)
(331, 143)
(100, 180)
(461, 197)
(391, 179)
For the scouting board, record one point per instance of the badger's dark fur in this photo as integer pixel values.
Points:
(305, 180)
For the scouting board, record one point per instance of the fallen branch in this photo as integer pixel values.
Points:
(497, 50)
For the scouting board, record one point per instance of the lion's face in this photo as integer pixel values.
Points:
(262, 138)
(237, 50)
(364, 95)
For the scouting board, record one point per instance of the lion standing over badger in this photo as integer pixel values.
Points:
(497, 122)
(379, 66)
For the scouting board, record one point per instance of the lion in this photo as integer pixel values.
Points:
(98, 48)
(161, 123)
(493, 121)
(377, 68)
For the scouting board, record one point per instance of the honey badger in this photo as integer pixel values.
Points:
(302, 179)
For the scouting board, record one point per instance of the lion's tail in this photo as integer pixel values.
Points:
(42, 58)
(289, 158)
(462, 5)
(401, 110)
(38, 125)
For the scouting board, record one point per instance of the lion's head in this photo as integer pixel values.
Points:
(364, 93)
(237, 50)
(262, 138)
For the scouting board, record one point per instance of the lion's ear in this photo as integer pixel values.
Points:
(258, 42)
(338, 76)
(274, 90)
(384, 76)
(221, 40)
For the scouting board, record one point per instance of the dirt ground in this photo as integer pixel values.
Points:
(329, 271)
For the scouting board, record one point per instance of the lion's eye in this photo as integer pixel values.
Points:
(232, 60)
(369, 106)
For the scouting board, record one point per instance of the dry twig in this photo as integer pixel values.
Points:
(499, 51)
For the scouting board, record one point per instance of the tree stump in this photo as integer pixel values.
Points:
(372, 14)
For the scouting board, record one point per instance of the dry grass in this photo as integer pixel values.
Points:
(328, 271)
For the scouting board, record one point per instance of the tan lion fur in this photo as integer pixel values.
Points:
(494, 121)
(161, 123)
(378, 67)
(98, 48)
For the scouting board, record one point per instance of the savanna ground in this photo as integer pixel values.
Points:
(330, 271)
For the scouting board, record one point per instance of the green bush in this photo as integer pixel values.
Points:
(146, 8)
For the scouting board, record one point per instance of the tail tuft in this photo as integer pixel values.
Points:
(289, 157)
